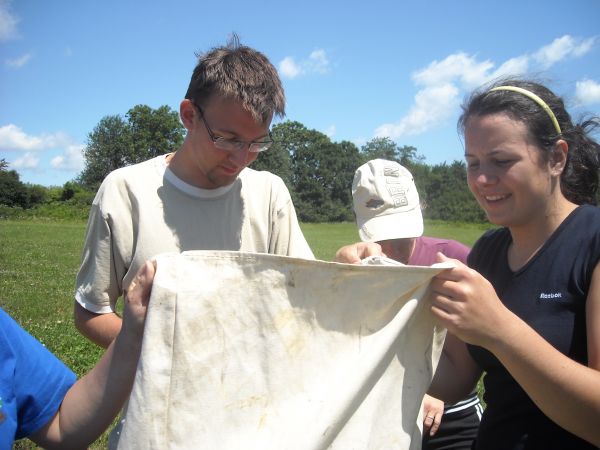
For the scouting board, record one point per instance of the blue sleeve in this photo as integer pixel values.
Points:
(33, 382)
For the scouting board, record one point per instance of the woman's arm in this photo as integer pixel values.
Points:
(566, 391)
(457, 373)
(93, 402)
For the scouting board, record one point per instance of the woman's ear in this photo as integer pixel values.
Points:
(558, 158)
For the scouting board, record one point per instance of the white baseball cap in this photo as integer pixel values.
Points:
(386, 202)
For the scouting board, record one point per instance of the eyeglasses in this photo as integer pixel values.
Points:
(235, 145)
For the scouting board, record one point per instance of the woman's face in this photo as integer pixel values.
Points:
(505, 170)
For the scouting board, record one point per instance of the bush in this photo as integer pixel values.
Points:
(76, 194)
(54, 211)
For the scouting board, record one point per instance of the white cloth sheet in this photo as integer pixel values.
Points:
(257, 351)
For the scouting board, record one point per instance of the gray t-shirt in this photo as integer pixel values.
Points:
(143, 210)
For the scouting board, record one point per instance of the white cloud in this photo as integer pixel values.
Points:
(457, 67)
(13, 138)
(587, 92)
(562, 48)
(27, 161)
(32, 148)
(289, 68)
(317, 62)
(8, 22)
(518, 65)
(71, 160)
(441, 82)
(433, 105)
(19, 62)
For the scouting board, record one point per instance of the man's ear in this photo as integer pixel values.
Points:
(187, 112)
(558, 158)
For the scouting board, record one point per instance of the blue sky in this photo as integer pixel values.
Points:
(352, 70)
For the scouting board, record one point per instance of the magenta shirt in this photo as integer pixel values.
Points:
(427, 247)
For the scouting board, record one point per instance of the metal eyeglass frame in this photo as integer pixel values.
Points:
(234, 145)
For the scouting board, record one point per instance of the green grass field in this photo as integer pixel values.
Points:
(39, 261)
(326, 238)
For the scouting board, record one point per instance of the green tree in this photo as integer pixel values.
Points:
(322, 173)
(318, 172)
(109, 147)
(300, 144)
(447, 195)
(385, 148)
(344, 161)
(76, 193)
(277, 159)
(37, 194)
(116, 142)
(409, 156)
(421, 173)
(380, 148)
(13, 192)
(154, 131)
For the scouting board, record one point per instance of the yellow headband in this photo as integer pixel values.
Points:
(533, 97)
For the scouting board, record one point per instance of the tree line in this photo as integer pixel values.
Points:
(317, 170)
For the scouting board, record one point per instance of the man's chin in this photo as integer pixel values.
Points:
(223, 180)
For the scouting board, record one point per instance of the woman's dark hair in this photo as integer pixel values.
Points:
(579, 180)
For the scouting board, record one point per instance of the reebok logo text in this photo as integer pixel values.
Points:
(550, 296)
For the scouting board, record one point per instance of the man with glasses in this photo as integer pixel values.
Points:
(201, 197)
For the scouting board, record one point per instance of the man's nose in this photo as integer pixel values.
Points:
(240, 157)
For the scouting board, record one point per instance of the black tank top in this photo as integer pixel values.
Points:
(549, 293)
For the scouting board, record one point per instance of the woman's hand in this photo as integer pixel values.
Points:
(433, 410)
(354, 253)
(467, 305)
(136, 299)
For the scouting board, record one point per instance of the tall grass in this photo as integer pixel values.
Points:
(39, 261)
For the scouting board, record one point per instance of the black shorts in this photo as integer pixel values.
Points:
(458, 429)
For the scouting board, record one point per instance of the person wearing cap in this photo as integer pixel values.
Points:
(388, 212)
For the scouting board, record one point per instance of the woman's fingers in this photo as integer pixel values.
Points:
(432, 422)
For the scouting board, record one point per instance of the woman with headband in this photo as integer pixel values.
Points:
(528, 307)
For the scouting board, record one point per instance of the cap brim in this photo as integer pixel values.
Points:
(400, 225)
